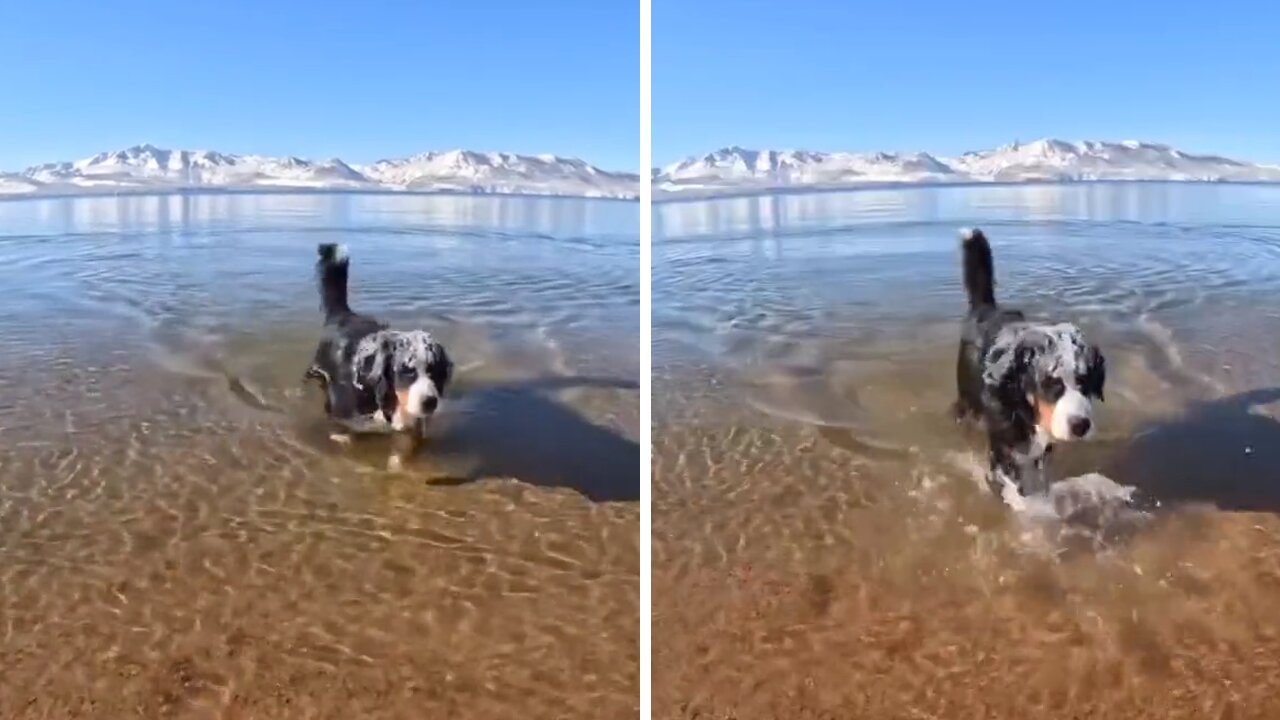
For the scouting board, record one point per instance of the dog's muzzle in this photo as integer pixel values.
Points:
(420, 400)
(1072, 417)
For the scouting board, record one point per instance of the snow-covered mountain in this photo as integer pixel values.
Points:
(467, 171)
(1056, 160)
(737, 167)
(735, 170)
(14, 184)
(148, 168)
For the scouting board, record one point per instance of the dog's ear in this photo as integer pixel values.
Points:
(442, 370)
(1008, 377)
(1095, 374)
(1019, 377)
(385, 385)
(1005, 363)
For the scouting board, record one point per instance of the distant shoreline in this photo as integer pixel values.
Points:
(192, 191)
(678, 196)
(659, 196)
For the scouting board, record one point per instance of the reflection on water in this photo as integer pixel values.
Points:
(822, 519)
(178, 537)
(765, 215)
(237, 212)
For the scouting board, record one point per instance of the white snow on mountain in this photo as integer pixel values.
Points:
(736, 170)
(738, 167)
(1057, 160)
(467, 171)
(13, 184)
(148, 168)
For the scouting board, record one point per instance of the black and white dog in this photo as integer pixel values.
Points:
(1031, 384)
(376, 380)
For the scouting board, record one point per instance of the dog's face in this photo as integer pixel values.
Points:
(410, 371)
(1049, 374)
(421, 372)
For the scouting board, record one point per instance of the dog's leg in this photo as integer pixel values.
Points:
(997, 477)
(1035, 478)
(1005, 476)
(960, 409)
(343, 439)
(1007, 488)
(404, 445)
(969, 388)
(1013, 478)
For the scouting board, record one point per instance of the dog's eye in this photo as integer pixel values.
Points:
(1054, 388)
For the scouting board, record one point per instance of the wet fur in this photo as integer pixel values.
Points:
(1009, 371)
(363, 366)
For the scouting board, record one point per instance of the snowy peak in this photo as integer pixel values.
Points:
(1095, 160)
(740, 161)
(147, 167)
(735, 169)
(765, 168)
(148, 156)
(466, 170)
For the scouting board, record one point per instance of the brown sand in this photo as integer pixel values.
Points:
(809, 570)
(168, 552)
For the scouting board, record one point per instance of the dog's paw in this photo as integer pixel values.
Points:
(341, 439)
(395, 464)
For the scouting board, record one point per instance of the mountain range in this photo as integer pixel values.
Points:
(731, 170)
(735, 170)
(146, 168)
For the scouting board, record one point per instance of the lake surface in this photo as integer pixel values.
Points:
(179, 538)
(823, 544)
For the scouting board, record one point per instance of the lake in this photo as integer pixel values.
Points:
(823, 543)
(178, 536)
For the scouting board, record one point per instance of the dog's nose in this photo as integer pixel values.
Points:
(430, 403)
(1080, 426)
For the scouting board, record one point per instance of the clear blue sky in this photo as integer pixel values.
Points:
(953, 76)
(315, 78)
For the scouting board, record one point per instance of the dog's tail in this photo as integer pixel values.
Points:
(979, 273)
(331, 270)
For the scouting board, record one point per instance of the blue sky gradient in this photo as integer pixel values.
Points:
(361, 81)
(947, 77)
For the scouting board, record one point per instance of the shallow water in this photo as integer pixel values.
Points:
(823, 544)
(178, 538)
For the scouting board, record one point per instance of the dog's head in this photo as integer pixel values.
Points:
(1048, 375)
(409, 372)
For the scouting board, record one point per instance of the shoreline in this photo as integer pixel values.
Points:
(668, 196)
(192, 191)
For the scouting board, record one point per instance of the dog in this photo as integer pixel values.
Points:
(1031, 384)
(375, 379)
